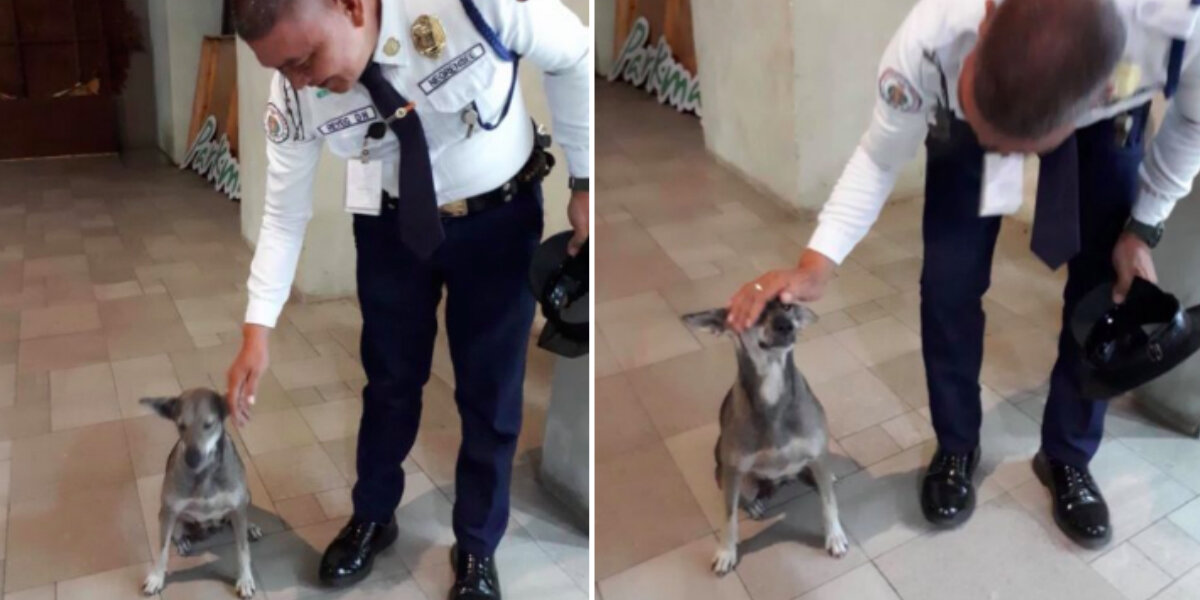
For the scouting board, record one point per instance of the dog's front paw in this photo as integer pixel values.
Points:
(153, 584)
(836, 542)
(245, 587)
(757, 509)
(724, 561)
(254, 532)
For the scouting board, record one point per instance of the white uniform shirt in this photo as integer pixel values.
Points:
(544, 33)
(945, 32)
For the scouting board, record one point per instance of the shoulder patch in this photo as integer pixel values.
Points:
(898, 92)
(276, 125)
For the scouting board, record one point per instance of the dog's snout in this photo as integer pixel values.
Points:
(192, 457)
(783, 326)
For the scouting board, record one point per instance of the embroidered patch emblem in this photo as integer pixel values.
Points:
(276, 124)
(898, 93)
(353, 118)
(449, 70)
(321, 93)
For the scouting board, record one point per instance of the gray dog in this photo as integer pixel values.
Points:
(204, 487)
(772, 427)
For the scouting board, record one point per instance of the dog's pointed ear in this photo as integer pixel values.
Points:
(804, 316)
(222, 405)
(715, 321)
(167, 407)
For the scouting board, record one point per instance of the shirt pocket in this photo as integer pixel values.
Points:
(462, 80)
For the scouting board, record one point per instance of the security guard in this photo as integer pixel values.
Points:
(444, 166)
(984, 84)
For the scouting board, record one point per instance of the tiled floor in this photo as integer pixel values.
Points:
(122, 281)
(677, 233)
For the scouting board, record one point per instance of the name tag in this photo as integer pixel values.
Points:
(365, 114)
(449, 70)
(364, 187)
(1003, 184)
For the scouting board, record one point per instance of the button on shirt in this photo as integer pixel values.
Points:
(466, 75)
(941, 33)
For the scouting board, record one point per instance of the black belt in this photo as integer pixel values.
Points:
(535, 170)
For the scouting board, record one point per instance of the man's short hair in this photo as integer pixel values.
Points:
(254, 19)
(1042, 62)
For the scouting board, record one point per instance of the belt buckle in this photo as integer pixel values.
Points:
(458, 208)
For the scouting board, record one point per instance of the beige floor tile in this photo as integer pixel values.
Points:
(137, 312)
(82, 396)
(287, 563)
(686, 392)
(1169, 547)
(880, 506)
(24, 420)
(298, 471)
(852, 288)
(336, 504)
(45, 592)
(692, 452)
(856, 401)
(1018, 361)
(870, 445)
(301, 511)
(273, 431)
(8, 385)
(1128, 570)
(117, 584)
(708, 293)
(643, 330)
(999, 535)
(905, 376)
(643, 508)
(1184, 588)
(334, 420)
(63, 539)
(145, 340)
(682, 574)
(626, 244)
(306, 373)
(863, 583)
(55, 266)
(116, 291)
(344, 454)
(151, 439)
(59, 320)
(909, 429)
(62, 352)
(879, 341)
(622, 425)
(823, 358)
(148, 377)
(69, 462)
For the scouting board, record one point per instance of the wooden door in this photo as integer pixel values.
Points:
(57, 76)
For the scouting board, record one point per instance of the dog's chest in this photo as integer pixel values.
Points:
(212, 510)
(782, 461)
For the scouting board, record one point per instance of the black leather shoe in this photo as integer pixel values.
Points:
(349, 558)
(947, 493)
(1079, 509)
(475, 577)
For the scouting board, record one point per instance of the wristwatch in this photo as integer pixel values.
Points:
(1151, 234)
(579, 184)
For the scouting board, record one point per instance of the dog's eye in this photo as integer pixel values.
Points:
(182, 427)
(208, 425)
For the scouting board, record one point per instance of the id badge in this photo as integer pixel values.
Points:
(1003, 184)
(364, 187)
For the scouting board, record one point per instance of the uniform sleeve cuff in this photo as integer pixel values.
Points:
(262, 313)
(833, 242)
(1152, 209)
(579, 163)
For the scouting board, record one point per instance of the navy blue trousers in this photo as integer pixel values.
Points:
(483, 266)
(959, 245)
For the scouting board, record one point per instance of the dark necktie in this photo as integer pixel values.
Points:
(1056, 214)
(417, 211)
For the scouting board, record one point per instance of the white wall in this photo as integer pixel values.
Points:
(745, 63)
(605, 28)
(327, 263)
(326, 266)
(786, 104)
(177, 28)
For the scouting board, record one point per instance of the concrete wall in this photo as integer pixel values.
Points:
(786, 104)
(136, 105)
(177, 27)
(327, 264)
(604, 29)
